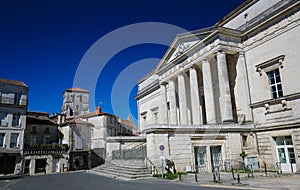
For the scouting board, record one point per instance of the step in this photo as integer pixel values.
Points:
(114, 174)
(124, 171)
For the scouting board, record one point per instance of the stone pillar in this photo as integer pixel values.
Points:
(208, 93)
(225, 99)
(163, 110)
(182, 100)
(172, 100)
(195, 99)
(32, 167)
(209, 166)
(241, 90)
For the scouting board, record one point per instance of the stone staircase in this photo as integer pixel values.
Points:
(116, 170)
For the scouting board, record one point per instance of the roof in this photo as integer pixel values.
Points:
(236, 12)
(78, 122)
(13, 82)
(33, 119)
(75, 89)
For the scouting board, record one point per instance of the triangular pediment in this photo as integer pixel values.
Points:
(183, 43)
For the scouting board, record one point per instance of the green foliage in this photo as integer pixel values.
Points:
(169, 176)
(65, 146)
(56, 146)
(44, 146)
(243, 154)
(172, 176)
(182, 173)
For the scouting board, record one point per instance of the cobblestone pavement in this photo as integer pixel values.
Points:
(258, 181)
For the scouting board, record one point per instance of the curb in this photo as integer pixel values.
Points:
(231, 187)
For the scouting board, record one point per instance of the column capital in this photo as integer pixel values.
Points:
(241, 53)
(163, 83)
(220, 52)
(193, 67)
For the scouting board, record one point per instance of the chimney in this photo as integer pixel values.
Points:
(98, 110)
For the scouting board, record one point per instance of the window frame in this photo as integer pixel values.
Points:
(17, 140)
(275, 83)
(3, 140)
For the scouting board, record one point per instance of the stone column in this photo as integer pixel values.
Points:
(182, 100)
(163, 110)
(241, 90)
(208, 93)
(225, 99)
(172, 100)
(195, 99)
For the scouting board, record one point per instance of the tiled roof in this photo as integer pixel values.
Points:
(78, 122)
(75, 89)
(14, 82)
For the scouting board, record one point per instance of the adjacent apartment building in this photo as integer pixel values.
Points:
(86, 132)
(227, 92)
(13, 108)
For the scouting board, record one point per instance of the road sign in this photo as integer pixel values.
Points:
(162, 147)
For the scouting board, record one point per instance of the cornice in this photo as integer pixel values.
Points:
(233, 127)
(274, 30)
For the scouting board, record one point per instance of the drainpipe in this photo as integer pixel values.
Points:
(249, 93)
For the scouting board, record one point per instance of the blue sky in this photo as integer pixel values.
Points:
(43, 42)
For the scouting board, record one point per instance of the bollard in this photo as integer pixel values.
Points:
(196, 177)
(292, 168)
(214, 177)
(179, 176)
(265, 169)
(233, 177)
(238, 178)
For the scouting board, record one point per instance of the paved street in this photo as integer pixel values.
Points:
(82, 180)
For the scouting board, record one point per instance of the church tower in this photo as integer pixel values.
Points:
(75, 101)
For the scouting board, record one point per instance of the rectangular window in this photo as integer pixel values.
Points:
(47, 130)
(109, 132)
(15, 121)
(79, 143)
(34, 129)
(275, 83)
(14, 140)
(244, 140)
(17, 98)
(32, 141)
(2, 136)
(46, 140)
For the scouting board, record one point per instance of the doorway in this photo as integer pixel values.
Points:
(285, 153)
(216, 159)
(200, 158)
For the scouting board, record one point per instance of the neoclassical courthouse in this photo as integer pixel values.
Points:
(228, 90)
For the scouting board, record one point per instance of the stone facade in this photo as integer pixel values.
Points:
(13, 107)
(42, 151)
(228, 90)
(93, 127)
(75, 101)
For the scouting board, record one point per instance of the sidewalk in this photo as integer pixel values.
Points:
(259, 181)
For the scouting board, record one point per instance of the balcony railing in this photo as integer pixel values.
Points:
(45, 151)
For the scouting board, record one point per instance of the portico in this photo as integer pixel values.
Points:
(194, 99)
